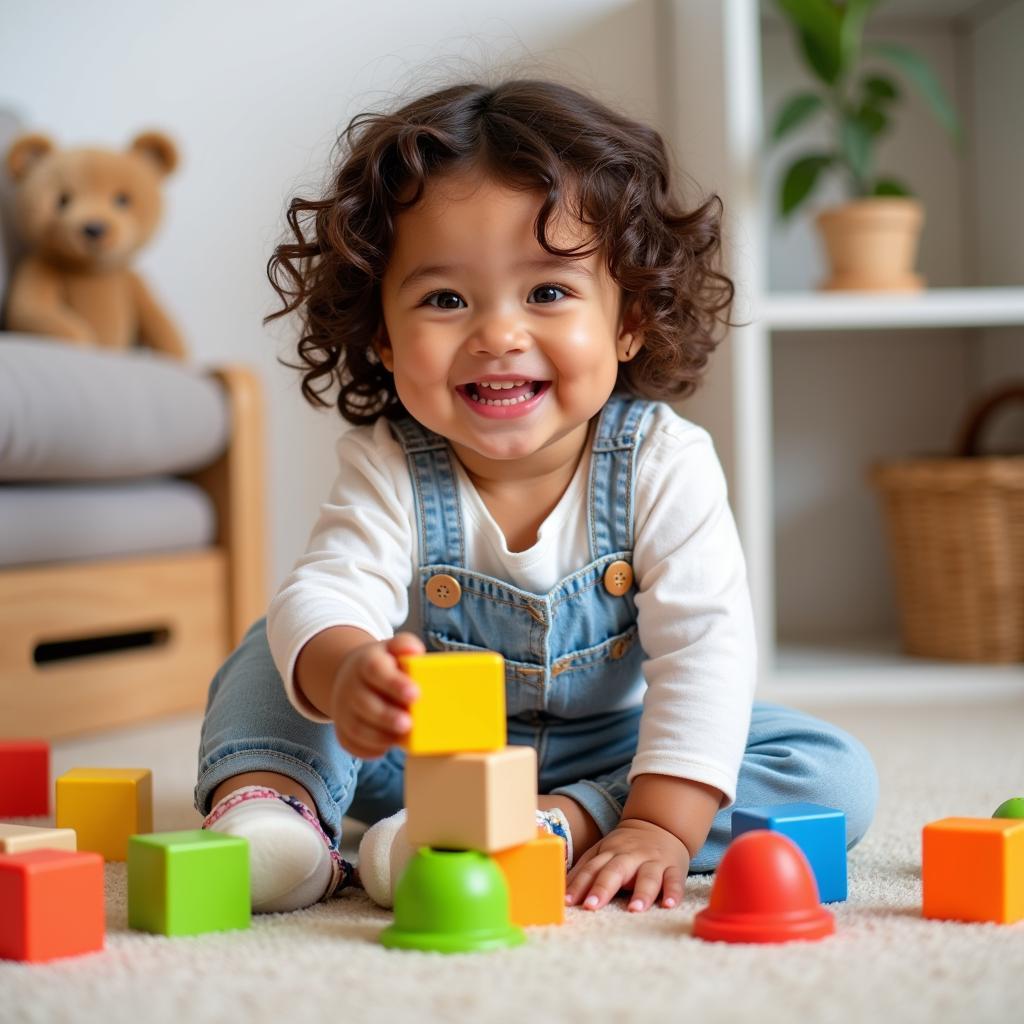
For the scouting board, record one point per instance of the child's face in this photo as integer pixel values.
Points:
(471, 297)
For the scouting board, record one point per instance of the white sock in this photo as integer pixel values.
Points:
(384, 852)
(290, 860)
(383, 855)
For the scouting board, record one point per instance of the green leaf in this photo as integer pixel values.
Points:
(852, 17)
(855, 140)
(800, 180)
(922, 76)
(873, 119)
(818, 24)
(795, 112)
(880, 87)
(890, 187)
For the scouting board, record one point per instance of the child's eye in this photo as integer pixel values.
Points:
(445, 300)
(546, 293)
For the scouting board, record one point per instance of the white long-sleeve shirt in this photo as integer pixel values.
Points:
(693, 604)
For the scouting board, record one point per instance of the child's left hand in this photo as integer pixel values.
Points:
(636, 854)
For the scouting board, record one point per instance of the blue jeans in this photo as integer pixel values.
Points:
(250, 726)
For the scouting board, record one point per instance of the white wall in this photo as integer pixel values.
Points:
(255, 94)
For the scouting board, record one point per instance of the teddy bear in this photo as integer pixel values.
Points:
(84, 214)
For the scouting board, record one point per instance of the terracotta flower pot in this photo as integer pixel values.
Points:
(872, 244)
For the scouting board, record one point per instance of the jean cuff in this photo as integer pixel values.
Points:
(597, 802)
(263, 759)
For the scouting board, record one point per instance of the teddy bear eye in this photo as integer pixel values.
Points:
(122, 199)
(63, 199)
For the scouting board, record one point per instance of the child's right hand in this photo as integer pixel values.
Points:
(371, 696)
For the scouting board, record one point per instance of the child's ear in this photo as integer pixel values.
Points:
(630, 339)
(382, 346)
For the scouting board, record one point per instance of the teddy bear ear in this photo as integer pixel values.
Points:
(25, 152)
(158, 148)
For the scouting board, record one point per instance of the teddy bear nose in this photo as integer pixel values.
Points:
(94, 229)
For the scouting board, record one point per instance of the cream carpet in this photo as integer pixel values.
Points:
(885, 963)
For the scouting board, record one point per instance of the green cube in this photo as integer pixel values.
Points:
(186, 883)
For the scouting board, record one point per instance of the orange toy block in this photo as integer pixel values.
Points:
(22, 838)
(475, 801)
(106, 806)
(973, 869)
(535, 873)
(51, 904)
(461, 705)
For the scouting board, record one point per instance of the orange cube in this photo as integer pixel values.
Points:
(535, 873)
(973, 869)
(51, 904)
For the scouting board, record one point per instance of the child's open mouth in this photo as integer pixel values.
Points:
(503, 399)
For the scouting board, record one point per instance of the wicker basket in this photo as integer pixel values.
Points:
(956, 536)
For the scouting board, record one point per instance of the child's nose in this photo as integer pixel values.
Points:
(499, 334)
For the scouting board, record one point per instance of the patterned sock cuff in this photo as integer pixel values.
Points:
(555, 821)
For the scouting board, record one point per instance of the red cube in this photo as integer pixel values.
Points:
(24, 778)
(51, 904)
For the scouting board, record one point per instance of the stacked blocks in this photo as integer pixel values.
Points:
(820, 832)
(467, 790)
(187, 883)
(24, 778)
(52, 903)
(973, 869)
(22, 838)
(105, 806)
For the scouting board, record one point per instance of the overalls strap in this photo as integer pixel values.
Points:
(436, 493)
(610, 508)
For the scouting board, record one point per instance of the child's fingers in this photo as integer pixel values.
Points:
(647, 885)
(673, 886)
(364, 740)
(368, 706)
(583, 875)
(382, 673)
(405, 643)
(608, 882)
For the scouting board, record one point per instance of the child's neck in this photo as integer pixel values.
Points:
(521, 493)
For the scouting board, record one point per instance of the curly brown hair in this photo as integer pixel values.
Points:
(610, 171)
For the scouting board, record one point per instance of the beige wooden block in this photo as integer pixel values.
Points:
(483, 801)
(21, 838)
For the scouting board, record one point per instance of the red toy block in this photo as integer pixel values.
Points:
(51, 905)
(24, 778)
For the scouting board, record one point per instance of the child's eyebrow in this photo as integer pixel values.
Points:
(561, 264)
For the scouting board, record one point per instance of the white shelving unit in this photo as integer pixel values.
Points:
(814, 386)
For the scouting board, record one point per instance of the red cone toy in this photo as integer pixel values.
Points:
(764, 891)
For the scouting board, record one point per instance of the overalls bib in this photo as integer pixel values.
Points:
(572, 652)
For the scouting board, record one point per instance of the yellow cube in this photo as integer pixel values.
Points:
(22, 838)
(105, 806)
(461, 706)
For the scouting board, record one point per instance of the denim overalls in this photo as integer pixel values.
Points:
(573, 672)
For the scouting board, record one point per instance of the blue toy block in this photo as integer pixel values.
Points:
(819, 831)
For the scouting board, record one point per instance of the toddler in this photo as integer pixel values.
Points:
(502, 287)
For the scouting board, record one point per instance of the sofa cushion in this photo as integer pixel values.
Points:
(73, 522)
(70, 413)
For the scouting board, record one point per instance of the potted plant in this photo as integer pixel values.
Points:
(871, 240)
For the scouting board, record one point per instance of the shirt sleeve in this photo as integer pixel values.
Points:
(694, 614)
(357, 567)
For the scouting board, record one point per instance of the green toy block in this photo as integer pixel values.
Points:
(187, 883)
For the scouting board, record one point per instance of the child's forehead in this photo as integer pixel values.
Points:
(471, 206)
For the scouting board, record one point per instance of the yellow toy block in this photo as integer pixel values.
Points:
(105, 806)
(21, 838)
(972, 869)
(461, 704)
(476, 801)
(535, 873)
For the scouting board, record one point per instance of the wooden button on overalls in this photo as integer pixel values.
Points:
(618, 578)
(444, 591)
